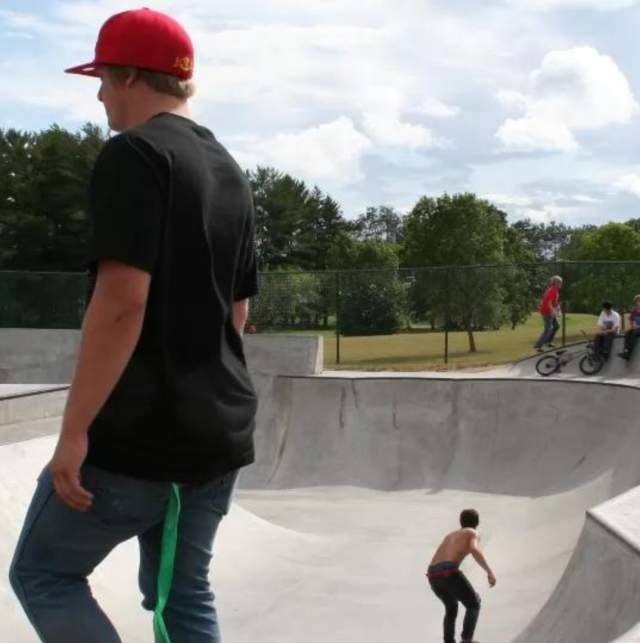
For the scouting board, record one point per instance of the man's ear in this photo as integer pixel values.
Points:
(131, 79)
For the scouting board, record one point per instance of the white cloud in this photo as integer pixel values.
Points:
(329, 152)
(531, 133)
(388, 129)
(437, 109)
(543, 205)
(600, 5)
(512, 100)
(574, 89)
(629, 183)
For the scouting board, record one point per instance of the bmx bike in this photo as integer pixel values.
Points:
(590, 361)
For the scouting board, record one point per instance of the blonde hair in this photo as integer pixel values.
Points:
(158, 81)
(636, 299)
(556, 279)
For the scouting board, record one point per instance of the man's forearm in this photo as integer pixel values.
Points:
(481, 560)
(240, 315)
(110, 333)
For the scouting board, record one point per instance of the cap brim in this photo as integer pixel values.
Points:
(88, 69)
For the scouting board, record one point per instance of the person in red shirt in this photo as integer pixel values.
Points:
(550, 309)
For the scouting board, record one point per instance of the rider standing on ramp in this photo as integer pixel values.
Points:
(450, 585)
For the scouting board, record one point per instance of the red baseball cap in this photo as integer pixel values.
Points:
(142, 38)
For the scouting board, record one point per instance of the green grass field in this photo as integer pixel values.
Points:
(417, 351)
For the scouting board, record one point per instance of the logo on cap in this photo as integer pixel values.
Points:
(183, 63)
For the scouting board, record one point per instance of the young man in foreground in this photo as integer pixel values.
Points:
(161, 407)
(450, 585)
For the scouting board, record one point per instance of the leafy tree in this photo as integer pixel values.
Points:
(280, 202)
(520, 278)
(288, 298)
(43, 197)
(296, 226)
(572, 248)
(587, 285)
(544, 241)
(324, 240)
(380, 223)
(459, 230)
(372, 296)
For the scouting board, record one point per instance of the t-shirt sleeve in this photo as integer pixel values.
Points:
(126, 203)
(600, 321)
(246, 277)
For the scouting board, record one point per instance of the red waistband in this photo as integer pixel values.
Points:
(443, 573)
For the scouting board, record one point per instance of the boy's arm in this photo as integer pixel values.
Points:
(474, 550)
(240, 315)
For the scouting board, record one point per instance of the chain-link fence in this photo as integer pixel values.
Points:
(42, 299)
(407, 319)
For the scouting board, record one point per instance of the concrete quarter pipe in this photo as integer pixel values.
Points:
(357, 479)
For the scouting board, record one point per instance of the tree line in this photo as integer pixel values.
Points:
(300, 229)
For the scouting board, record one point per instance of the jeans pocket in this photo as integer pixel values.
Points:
(220, 492)
(119, 501)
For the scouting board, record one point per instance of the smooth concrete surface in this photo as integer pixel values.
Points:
(29, 411)
(23, 390)
(37, 356)
(40, 356)
(357, 479)
(284, 354)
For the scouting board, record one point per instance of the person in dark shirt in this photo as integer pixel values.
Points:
(160, 414)
(631, 336)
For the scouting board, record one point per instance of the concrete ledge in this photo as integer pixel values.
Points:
(621, 517)
(37, 356)
(34, 406)
(602, 578)
(41, 356)
(284, 354)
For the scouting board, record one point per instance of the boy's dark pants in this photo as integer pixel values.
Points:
(630, 338)
(451, 586)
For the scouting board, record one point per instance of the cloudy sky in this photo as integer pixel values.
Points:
(534, 104)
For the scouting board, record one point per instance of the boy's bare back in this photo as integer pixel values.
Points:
(455, 547)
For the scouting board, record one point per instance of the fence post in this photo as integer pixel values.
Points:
(446, 320)
(337, 285)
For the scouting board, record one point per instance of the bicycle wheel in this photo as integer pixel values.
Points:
(547, 365)
(591, 364)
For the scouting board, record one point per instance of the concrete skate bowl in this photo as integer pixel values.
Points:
(358, 478)
(382, 466)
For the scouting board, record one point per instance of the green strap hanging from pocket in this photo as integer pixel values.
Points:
(167, 560)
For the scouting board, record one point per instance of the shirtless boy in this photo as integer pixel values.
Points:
(450, 585)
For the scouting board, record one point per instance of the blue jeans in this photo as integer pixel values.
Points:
(551, 327)
(59, 548)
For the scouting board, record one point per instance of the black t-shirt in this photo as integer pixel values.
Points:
(167, 198)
